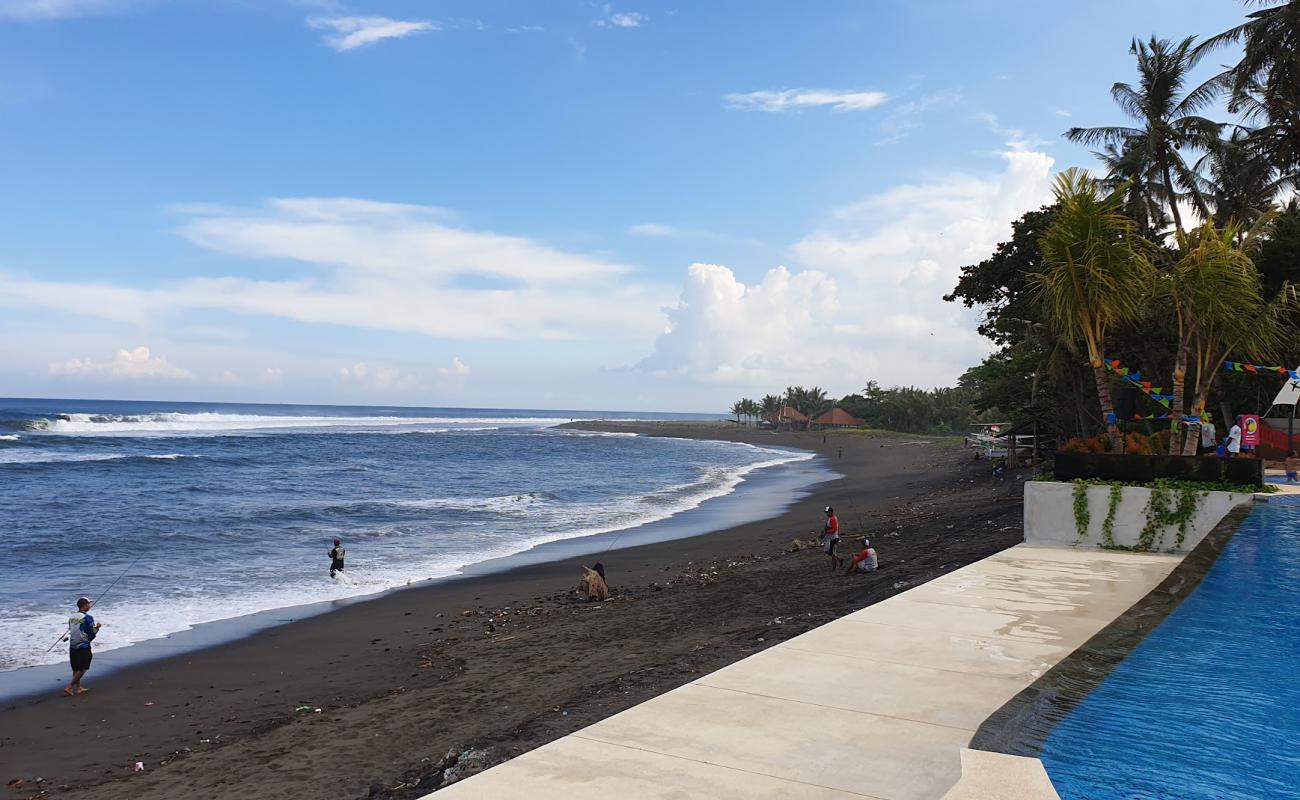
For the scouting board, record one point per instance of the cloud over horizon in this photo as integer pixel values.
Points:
(127, 364)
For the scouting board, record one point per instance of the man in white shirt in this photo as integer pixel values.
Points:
(1234, 440)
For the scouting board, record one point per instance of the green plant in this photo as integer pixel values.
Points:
(1108, 524)
(1082, 517)
(1163, 512)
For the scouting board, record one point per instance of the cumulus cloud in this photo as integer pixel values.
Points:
(349, 33)
(776, 101)
(868, 303)
(139, 363)
(724, 331)
(609, 18)
(457, 368)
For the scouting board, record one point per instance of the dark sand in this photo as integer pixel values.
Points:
(501, 663)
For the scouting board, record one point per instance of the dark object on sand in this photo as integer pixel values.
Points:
(593, 585)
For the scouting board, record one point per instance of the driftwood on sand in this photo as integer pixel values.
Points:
(593, 585)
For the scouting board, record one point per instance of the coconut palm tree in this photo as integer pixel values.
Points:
(1144, 189)
(1237, 180)
(1265, 84)
(738, 408)
(1166, 119)
(770, 405)
(1095, 274)
(1211, 286)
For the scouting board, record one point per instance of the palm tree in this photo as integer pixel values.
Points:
(1237, 180)
(1095, 274)
(1166, 117)
(1265, 84)
(1212, 282)
(771, 405)
(1144, 190)
(738, 408)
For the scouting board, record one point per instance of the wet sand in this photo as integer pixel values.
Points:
(494, 665)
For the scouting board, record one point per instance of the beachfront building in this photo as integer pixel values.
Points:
(836, 418)
(789, 417)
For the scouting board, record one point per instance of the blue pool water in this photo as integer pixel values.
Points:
(1208, 706)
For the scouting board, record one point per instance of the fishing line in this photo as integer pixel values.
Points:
(101, 596)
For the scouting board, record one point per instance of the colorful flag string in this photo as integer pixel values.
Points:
(1256, 369)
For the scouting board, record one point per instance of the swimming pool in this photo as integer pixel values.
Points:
(1207, 707)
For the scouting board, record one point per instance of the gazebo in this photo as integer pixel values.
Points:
(788, 416)
(837, 418)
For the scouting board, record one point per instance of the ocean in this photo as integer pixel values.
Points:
(210, 511)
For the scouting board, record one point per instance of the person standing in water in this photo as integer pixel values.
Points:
(831, 537)
(82, 630)
(336, 558)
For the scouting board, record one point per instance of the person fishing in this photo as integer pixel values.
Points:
(82, 630)
(336, 557)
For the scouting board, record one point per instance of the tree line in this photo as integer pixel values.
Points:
(900, 408)
(1175, 260)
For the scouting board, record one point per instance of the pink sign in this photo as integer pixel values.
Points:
(1250, 430)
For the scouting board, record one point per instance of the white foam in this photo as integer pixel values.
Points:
(8, 437)
(177, 424)
(44, 456)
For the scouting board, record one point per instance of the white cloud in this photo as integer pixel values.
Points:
(349, 33)
(1061, 112)
(127, 364)
(380, 378)
(868, 304)
(380, 266)
(609, 18)
(58, 9)
(525, 29)
(653, 230)
(775, 101)
(724, 331)
(457, 368)
(905, 118)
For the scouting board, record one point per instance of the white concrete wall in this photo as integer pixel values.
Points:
(1049, 515)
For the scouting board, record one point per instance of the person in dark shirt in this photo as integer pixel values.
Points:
(82, 630)
(336, 558)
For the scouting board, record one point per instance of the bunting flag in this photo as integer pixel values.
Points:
(1256, 369)
(1134, 378)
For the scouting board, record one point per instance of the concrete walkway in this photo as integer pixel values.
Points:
(877, 704)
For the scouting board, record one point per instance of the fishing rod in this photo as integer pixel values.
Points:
(62, 636)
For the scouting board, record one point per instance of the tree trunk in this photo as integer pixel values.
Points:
(1176, 406)
(1107, 408)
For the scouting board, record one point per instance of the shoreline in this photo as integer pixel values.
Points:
(791, 481)
(503, 661)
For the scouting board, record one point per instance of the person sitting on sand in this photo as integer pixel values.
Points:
(593, 583)
(831, 537)
(336, 557)
(82, 630)
(1292, 467)
(866, 561)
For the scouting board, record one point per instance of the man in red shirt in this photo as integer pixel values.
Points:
(866, 561)
(831, 537)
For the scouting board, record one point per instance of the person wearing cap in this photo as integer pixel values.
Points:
(82, 630)
(336, 557)
(831, 537)
(866, 561)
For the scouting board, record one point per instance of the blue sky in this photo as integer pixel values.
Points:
(645, 206)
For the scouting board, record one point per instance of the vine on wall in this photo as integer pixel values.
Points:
(1172, 504)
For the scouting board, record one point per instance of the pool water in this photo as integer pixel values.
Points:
(1208, 706)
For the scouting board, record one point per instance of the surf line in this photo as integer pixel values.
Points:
(96, 599)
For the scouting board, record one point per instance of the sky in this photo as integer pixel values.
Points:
(632, 206)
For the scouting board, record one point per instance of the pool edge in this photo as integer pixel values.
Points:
(1023, 724)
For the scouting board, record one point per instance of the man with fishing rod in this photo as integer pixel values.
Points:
(82, 630)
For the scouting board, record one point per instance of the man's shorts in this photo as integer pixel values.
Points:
(1291, 476)
(80, 658)
(830, 545)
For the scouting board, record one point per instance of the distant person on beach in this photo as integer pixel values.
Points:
(82, 630)
(865, 561)
(336, 557)
(831, 537)
(1292, 467)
